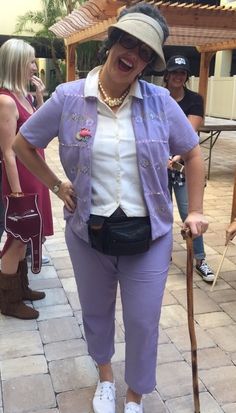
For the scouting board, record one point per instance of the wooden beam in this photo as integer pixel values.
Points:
(96, 32)
(204, 73)
(192, 17)
(70, 62)
(215, 47)
(112, 6)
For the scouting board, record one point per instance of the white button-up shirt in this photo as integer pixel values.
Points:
(115, 175)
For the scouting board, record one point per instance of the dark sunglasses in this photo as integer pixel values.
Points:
(130, 42)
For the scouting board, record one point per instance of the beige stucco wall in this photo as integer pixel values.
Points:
(228, 3)
(11, 9)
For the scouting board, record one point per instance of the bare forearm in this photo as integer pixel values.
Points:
(34, 162)
(230, 232)
(12, 174)
(195, 179)
(39, 100)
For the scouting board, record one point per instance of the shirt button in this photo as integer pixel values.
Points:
(145, 163)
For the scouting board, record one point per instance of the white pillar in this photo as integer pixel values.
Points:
(223, 63)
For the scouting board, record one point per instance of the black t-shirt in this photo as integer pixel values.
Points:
(192, 103)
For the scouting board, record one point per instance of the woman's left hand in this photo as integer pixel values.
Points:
(197, 223)
(67, 194)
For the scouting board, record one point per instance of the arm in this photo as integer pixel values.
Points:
(195, 176)
(230, 232)
(8, 124)
(28, 155)
(196, 121)
(184, 140)
(194, 171)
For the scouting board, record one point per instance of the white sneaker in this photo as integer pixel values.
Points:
(104, 397)
(132, 407)
(45, 260)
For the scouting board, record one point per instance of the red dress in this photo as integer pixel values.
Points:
(29, 183)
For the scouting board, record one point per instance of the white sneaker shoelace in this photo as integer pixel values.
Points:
(205, 268)
(132, 407)
(104, 397)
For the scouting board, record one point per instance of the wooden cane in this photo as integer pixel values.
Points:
(186, 234)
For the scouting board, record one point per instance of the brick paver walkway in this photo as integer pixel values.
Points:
(45, 367)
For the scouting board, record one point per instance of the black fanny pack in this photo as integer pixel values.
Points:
(119, 235)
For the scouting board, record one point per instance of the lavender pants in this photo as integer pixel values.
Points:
(142, 281)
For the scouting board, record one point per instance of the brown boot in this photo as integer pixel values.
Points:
(11, 298)
(27, 293)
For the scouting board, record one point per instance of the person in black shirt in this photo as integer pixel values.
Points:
(175, 77)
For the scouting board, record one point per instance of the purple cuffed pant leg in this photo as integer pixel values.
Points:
(142, 281)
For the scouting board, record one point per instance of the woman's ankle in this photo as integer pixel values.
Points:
(105, 372)
(132, 396)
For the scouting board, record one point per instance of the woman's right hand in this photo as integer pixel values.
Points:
(196, 222)
(17, 194)
(67, 194)
(230, 232)
(39, 89)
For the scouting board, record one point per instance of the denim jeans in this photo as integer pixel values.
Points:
(181, 197)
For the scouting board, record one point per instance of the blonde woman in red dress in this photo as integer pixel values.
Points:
(17, 72)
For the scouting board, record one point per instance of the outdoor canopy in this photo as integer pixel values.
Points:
(208, 28)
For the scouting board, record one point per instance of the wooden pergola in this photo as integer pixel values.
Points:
(208, 28)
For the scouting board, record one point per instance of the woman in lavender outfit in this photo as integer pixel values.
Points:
(115, 134)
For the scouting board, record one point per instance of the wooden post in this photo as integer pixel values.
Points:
(70, 62)
(204, 73)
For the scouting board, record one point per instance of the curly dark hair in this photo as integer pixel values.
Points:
(115, 34)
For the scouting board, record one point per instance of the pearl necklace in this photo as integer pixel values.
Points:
(112, 102)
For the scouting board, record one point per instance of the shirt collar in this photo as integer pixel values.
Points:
(91, 85)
